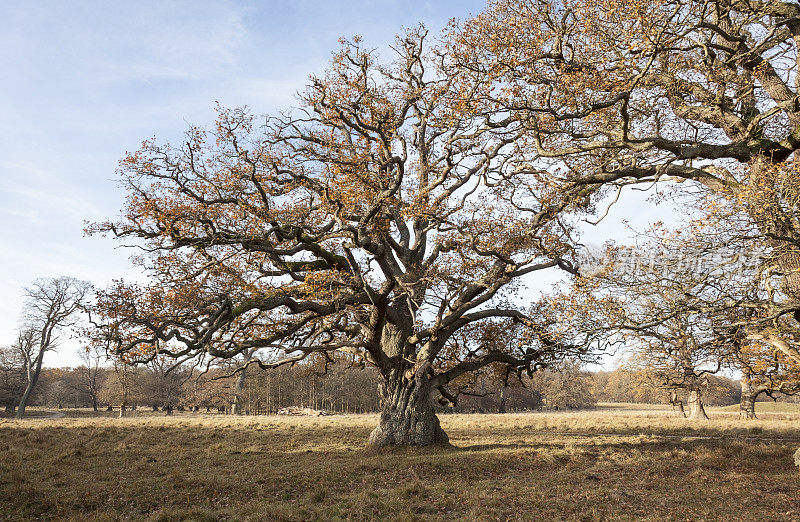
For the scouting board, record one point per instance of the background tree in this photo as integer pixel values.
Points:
(51, 306)
(118, 387)
(699, 95)
(160, 383)
(564, 386)
(764, 371)
(673, 297)
(12, 377)
(629, 383)
(719, 270)
(59, 387)
(91, 371)
(680, 368)
(240, 379)
(389, 212)
(209, 388)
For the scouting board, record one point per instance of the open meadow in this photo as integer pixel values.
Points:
(616, 462)
(232, 229)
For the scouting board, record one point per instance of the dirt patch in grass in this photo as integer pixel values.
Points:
(502, 467)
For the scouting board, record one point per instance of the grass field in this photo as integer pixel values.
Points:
(613, 463)
(766, 407)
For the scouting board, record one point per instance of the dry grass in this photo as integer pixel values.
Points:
(766, 407)
(625, 463)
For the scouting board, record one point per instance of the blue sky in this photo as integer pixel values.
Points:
(86, 81)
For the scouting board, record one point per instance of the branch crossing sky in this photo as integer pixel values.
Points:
(86, 81)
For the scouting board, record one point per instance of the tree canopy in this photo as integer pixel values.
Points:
(390, 218)
(395, 216)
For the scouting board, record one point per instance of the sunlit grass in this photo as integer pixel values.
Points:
(612, 463)
(766, 407)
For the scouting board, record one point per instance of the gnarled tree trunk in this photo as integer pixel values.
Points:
(696, 410)
(747, 405)
(407, 416)
(238, 387)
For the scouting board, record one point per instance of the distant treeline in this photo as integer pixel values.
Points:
(340, 388)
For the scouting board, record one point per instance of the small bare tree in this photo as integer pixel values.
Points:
(51, 306)
(91, 356)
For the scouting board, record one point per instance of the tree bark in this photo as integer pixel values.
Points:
(238, 387)
(747, 405)
(33, 369)
(407, 416)
(696, 410)
(23, 402)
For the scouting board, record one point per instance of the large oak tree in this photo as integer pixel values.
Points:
(391, 217)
